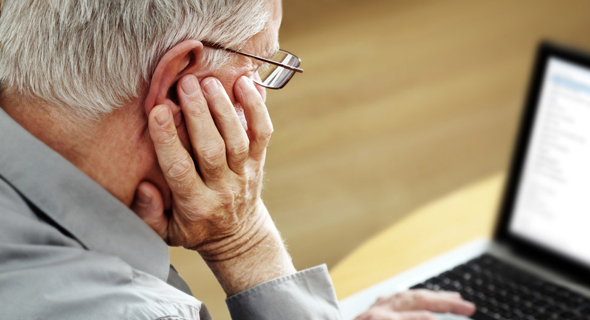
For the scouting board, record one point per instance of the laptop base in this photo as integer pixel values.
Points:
(360, 302)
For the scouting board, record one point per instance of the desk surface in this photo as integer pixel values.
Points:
(437, 227)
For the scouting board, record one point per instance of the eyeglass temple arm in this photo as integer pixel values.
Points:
(286, 66)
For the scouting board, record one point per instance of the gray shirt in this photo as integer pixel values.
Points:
(70, 250)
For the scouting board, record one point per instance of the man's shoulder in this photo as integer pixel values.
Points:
(46, 274)
(10, 199)
(21, 222)
(56, 282)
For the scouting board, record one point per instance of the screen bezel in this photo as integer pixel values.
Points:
(541, 254)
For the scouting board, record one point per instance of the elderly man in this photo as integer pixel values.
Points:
(114, 110)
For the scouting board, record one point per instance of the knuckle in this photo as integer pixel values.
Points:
(195, 107)
(239, 150)
(264, 135)
(224, 113)
(213, 154)
(180, 169)
(212, 159)
(214, 172)
(166, 136)
(401, 295)
(420, 299)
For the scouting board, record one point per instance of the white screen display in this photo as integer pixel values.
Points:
(552, 205)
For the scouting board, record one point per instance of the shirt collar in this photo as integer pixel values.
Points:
(77, 203)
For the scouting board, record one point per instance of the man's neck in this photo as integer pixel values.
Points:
(103, 150)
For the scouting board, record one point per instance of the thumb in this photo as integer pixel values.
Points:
(149, 206)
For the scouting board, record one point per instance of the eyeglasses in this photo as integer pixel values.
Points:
(275, 72)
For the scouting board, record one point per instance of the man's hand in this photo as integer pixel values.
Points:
(217, 209)
(417, 305)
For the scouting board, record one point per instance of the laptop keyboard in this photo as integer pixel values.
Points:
(502, 291)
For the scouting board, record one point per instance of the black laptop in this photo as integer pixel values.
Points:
(537, 267)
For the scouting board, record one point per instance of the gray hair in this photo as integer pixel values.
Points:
(96, 55)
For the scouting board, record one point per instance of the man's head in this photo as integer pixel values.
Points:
(93, 56)
(102, 65)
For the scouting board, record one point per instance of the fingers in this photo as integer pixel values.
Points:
(415, 315)
(259, 124)
(208, 145)
(381, 313)
(214, 127)
(176, 163)
(451, 294)
(149, 206)
(440, 302)
(417, 305)
(228, 123)
(261, 89)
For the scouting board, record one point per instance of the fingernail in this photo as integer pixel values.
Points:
(470, 308)
(163, 116)
(189, 85)
(143, 198)
(211, 86)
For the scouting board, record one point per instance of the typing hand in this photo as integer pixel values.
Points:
(417, 305)
(217, 210)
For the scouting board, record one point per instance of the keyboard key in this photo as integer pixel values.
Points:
(502, 291)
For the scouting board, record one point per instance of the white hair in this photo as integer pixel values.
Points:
(93, 56)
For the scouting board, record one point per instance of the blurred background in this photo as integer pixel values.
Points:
(401, 103)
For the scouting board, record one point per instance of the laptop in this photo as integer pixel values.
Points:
(537, 266)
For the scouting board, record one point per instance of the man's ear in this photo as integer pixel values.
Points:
(182, 59)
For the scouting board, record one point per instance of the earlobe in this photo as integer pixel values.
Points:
(184, 58)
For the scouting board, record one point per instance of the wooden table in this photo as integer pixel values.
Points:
(466, 214)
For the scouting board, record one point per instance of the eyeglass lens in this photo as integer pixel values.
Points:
(276, 77)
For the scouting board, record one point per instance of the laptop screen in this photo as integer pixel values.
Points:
(552, 204)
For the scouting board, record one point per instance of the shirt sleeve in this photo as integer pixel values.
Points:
(308, 294)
